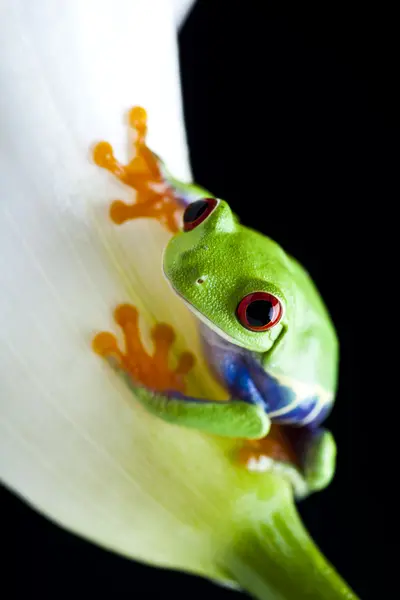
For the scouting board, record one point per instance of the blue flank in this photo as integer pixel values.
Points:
(246, 380)
(299, 413)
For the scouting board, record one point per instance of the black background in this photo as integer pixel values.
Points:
(292, 115)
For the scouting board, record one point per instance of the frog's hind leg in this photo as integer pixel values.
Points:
(305, 456)
(315, 448)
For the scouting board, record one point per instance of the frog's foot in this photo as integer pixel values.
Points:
(320, 460)
(151, 370)
(154, 197)
(159, 388)
(163, 209)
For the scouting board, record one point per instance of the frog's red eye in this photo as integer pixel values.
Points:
(197, 212)
(259, 311)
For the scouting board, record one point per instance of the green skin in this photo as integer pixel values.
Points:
(301, 350)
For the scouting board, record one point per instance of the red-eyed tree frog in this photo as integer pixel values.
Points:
(266, 332)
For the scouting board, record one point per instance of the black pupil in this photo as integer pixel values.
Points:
(195, 210)
(259, 313)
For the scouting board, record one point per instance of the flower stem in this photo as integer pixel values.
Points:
(276, 559)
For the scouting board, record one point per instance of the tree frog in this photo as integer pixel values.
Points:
(265, 330)
(266, 333)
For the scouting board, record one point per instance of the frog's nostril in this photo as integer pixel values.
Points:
(201, 280)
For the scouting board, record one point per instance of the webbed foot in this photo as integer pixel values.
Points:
(154, 197)
(152, 370)
(162, 394)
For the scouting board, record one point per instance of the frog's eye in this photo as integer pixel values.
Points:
(259, 311)
(197, 212)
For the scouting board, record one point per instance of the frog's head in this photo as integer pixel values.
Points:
(234, 279)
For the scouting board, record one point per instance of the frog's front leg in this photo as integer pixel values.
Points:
(160, 389)
(234, 418)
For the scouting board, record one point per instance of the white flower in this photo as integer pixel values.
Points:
(73, 441)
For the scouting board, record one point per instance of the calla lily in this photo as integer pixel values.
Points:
(74, 442)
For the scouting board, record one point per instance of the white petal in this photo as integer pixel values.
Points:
(182, 10)
(73, 442)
